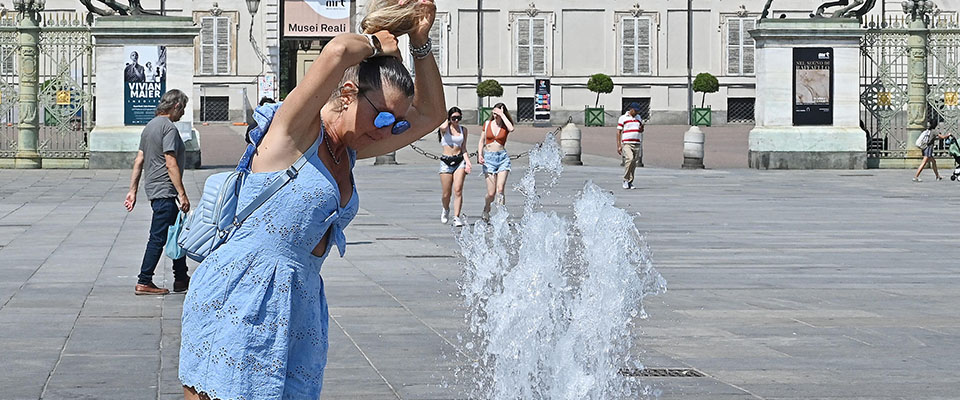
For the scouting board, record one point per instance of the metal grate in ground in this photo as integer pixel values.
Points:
(428, 256)
(662, 372)
(397, 238)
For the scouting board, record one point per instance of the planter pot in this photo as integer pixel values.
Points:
(485, 114)
(594, 116)
(701, 117)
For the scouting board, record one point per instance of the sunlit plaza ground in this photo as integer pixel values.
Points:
(781, 284)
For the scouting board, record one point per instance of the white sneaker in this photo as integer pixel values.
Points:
(458, 221)
(626, 185)
(444, 216)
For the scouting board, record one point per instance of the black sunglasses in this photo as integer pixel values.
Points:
(456, 118)
(386, 119)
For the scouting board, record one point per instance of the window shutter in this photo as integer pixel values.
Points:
(223, 45)
(628, 43)
(8, 54)
(523, 45)
(437, 37)
(733, 46)
(540, 49)
(207, 47)
(748, 46)
(643, 45)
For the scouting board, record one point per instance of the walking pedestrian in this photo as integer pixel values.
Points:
(255, 321)
(454, 165)
(927, 149)
(161, 157)
(630, 142)
(492, 154)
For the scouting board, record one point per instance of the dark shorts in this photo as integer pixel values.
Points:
(928, 151)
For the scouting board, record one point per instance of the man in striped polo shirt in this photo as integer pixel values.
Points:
(630, 142)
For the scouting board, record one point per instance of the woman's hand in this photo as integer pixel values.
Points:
(479, 158)
(388, 44)
(428, 13)
(498, 112)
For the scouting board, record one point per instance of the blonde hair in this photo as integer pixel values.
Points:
(399, 17)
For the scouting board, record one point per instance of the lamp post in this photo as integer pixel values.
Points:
(28, 139)
(253, 6)
(919, 13)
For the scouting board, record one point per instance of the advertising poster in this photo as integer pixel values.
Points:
(266, 87)
(541, 102)
(315, 19)
(813, 86)
(144, 82)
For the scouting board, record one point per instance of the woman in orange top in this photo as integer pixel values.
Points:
(493, 156)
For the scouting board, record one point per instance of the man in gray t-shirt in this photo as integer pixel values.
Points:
(161, 158)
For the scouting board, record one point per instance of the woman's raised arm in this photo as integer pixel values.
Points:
(429, 106)
(303, 105)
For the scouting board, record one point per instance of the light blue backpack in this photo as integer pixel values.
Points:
(215, 218)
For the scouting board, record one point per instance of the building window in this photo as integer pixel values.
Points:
(740, 111)
(215, 45)
(214, 108)
(635, 34)
(740, 46)
(643, 102)
(438, 34)
(531, 46)
(525, 108)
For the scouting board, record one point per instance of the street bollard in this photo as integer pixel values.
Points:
(693, 148)
(570, 143)
(386, 159)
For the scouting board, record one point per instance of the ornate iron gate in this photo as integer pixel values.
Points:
(884, 78)
(65, 91)
(9, 87)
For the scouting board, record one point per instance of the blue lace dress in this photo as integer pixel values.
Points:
(255, 319)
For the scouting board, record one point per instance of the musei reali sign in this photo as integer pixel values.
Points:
(316, 19)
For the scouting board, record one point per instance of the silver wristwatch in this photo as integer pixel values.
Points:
(375, 43)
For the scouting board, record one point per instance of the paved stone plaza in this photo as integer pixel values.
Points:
(781, 284)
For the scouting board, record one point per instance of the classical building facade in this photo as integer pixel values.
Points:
(642, 45)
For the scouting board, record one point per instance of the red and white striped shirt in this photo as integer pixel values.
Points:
(631, 128)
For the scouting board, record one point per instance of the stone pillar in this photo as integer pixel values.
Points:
(779, 141)
(917, 87)
(113, 144)
(28, 140)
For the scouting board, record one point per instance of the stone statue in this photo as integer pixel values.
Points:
(116, 7)
(849, 9)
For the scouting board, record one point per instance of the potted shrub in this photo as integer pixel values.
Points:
(488, 88)
(704, 83)
(598, 83)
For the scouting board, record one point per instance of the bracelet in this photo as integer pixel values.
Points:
(375, 43)
(422, 51)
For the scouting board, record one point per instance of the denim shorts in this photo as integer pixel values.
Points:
(928, 151)
(495, 161)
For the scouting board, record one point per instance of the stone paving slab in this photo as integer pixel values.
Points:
(782, 284)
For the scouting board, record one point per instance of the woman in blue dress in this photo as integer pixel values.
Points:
(255, 320)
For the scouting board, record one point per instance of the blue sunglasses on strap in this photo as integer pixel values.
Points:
(385, 119)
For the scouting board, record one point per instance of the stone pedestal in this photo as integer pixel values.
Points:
(777, 142)
(113, 144)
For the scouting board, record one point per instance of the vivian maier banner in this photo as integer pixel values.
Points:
(541, 105)
(144, 82)
(316, 19)
(813, 86)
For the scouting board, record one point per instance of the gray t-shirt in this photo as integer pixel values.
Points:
(160, 136)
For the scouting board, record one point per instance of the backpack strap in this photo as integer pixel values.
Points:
(275, 187)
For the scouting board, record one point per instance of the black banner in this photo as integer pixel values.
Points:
(144, 82)
(541, 105)
(812, 86)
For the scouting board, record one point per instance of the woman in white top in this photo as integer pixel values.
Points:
(454, 165)
(928, 150)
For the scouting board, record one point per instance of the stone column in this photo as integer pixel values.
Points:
(917, 87)
(27, 156)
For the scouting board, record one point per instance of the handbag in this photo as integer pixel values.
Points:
(172, 249)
